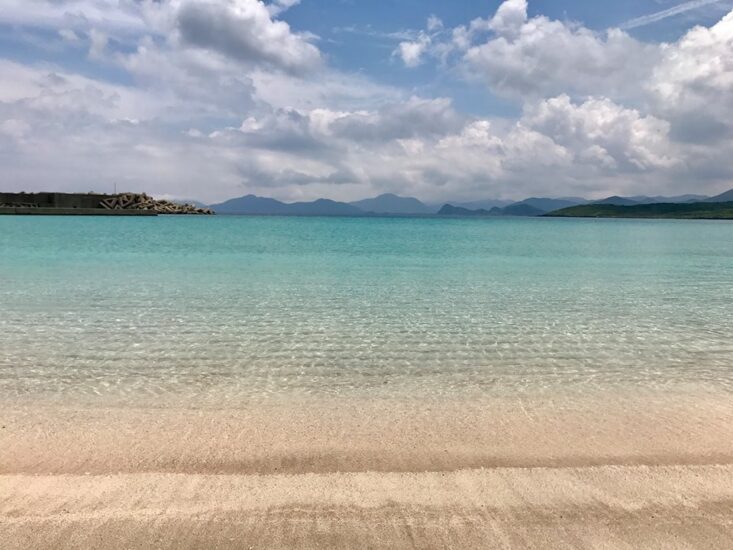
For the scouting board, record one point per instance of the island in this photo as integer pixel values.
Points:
(92, 204)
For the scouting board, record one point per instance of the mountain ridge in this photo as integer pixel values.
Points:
(391, 204)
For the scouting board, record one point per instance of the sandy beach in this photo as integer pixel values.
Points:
(632, 472)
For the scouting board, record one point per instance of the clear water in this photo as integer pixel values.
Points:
(230, 309)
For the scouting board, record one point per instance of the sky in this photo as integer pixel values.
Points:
(346, 99)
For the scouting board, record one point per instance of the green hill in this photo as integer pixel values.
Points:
(698, 210)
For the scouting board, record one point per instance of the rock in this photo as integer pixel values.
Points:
(141, 201)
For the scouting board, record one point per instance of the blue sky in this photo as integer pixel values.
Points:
(361, 37)
(465, 99)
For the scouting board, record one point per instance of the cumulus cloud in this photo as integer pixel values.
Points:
(539, 57)
(600, 130)
(696, 73)
(245, 30)
(279, 6)
(409, 119)
(510, 18)
(522, 57)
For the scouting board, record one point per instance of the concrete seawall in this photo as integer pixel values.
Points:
(44, 211)
(93, 204)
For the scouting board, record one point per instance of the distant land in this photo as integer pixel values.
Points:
(695, 210)
(486, 204)
(723, 197)
(262, 206)
(458, 211)
(388, 204)
(394, 205)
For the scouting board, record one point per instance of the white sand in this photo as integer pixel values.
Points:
(630, 472)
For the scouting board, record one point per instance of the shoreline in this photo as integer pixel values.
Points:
(356, 435)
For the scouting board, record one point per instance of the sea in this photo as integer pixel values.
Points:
(229, 310)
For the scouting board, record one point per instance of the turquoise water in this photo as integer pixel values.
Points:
(230, 309)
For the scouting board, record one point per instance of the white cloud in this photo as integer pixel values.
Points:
(600, 129)
(696, 73)
(119, 17)
(245, 30)
(411, 52)
(97, 44)
(434, 23)
(539, 57)
(68, 35)
(509, 19)
(278, 6)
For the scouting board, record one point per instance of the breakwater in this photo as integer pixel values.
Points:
(123, 204)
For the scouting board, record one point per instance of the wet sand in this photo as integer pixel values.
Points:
(624, 472)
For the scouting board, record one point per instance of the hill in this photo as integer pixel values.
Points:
(389, 203)
(723, 197)
(616, 201)
(643, 199)
(711, 211)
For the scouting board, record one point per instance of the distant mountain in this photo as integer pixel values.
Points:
(522, 209)
(723, 197)
(393, 204)
(389, 203)
(548, 205)
(518, 209)
(253, 205)
(324, 207)
(486, 204)
(643, 199)
(450, 210)
(616, 201)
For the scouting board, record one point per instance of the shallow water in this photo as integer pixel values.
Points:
(226, 310)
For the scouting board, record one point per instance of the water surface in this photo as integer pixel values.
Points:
(227, 310)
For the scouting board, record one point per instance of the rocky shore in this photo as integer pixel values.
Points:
(142, 201)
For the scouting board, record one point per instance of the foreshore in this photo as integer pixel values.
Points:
(600, 507)
(625, 472)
